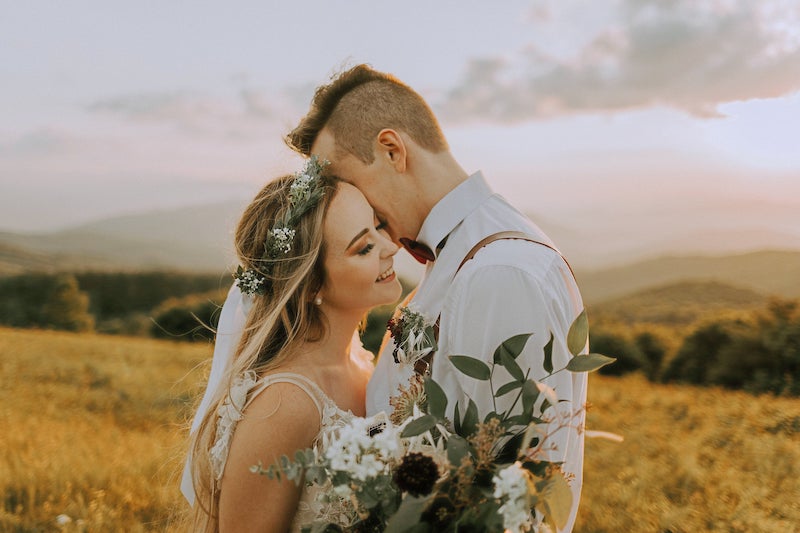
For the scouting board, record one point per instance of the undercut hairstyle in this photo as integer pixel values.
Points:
(356, 105)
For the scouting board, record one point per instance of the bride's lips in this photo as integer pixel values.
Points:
(386, 275)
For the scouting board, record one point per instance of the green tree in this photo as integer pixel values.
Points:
(652, 349)
(44, 301)
(191, 318)
(629, 357)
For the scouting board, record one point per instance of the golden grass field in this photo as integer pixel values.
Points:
(93, 427)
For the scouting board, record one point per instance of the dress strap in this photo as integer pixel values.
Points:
(305, 384)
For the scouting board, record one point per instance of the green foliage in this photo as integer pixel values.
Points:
(110, 302)
(118, 294)
(758, 355)
(44, 301)
(678, 304)
(653, 349)
(192, 318)
(372, 335)
(629, 357)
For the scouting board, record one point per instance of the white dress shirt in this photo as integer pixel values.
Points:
(509, 287)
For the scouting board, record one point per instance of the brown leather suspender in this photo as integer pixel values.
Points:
(423, 365)
(507, 235)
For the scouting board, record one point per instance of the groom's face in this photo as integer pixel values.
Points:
(374, 180)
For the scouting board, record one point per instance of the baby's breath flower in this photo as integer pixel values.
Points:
(300, 188)
(249, 281)
(304, 193)
(280, 240)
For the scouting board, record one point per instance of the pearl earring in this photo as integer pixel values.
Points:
(318, 300)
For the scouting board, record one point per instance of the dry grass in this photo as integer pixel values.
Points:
(693, 460)
(93, 427)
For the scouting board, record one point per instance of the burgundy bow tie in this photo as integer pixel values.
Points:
(421, 253)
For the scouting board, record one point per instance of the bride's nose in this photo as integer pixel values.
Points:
(388, 248)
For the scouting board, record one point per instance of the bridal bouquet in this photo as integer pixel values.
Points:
(418, 471)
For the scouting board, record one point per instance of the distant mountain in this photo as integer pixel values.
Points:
(766, 272)
(598, 247)
(200, 239)
(195, 239)
(678, 303)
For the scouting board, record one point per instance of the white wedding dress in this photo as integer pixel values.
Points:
(244, 391)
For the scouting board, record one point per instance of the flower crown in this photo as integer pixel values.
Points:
(304, 193)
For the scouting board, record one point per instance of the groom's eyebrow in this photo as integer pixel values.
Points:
(360, 234)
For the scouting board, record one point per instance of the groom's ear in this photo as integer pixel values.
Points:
(392, 149)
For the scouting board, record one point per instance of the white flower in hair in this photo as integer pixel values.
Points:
(305, 192)
(280, 240)
(301, 187)
(249, 282)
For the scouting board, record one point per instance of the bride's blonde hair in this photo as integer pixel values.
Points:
(278, 321)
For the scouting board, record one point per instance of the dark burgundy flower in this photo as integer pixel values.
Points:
(417, 474)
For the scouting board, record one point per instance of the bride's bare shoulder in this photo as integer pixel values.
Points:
(281, 419)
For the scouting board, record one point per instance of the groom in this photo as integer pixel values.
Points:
(381, 136)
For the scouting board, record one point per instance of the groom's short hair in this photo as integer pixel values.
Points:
(359, 103)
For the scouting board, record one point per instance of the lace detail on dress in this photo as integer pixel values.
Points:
(245, 388)
(228, 414)
(316, 503)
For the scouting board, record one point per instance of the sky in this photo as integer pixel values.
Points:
(649, 114)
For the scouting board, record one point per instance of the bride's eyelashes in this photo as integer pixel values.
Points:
(381, 225)
(367, 249)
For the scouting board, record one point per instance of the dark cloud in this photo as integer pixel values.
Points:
(686, 54)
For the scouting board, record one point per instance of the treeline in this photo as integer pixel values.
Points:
(757, 351)
(107, 302)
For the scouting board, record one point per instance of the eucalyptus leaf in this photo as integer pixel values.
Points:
(508, 387)
(578, 334)
(430, 334)
(545, 405)
(511, 365)
(470, 422)
(512, 346)
(474, 368)
(529, 394)
(548, 355)
(457, 421)
(419, 426)
(457, 447)
(437, 399)
(588, 362)
(556, 500)
(407, 514)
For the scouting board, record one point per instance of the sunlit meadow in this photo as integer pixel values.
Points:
(94, 431)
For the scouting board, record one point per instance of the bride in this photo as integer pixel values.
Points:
(315, 260)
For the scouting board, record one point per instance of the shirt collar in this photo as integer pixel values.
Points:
(452, 209)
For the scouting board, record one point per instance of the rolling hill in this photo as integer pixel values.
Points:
(678, 304)
(196, 239)
(766, 272)
(199, 239)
